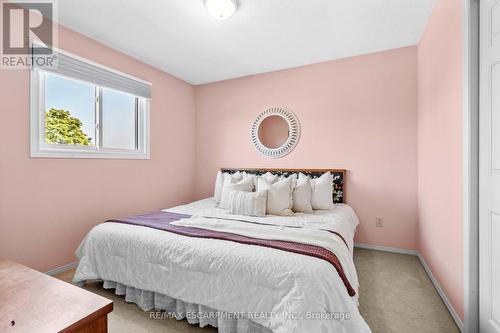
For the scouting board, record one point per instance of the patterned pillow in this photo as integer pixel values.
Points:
(248, 203)
(246, 184)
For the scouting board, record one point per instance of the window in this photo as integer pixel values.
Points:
(69, 111)
(119, 122)
(83, 110)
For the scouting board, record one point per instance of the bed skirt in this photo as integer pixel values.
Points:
(195, 314)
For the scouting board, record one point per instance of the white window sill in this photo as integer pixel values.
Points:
(66, 153)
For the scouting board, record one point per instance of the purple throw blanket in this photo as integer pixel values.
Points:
(162, 221)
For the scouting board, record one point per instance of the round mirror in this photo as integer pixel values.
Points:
(273, 132)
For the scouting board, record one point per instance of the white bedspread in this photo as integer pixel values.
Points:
(284, 291)
(317, 237)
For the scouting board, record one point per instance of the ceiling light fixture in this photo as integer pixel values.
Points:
(221, 9)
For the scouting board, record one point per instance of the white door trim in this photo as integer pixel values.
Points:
(489, 166)
(470, 30)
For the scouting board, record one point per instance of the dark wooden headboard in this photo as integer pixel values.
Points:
(339, 177)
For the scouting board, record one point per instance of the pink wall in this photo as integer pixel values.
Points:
(440, 117)
(358, 113)
(48, 205)
(371, 114)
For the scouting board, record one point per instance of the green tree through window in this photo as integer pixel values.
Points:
(62, 128)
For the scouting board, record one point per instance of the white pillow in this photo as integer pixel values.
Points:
(302, 195)
(294, 179)
(279, 196)
(269, 178)
(246, 184)
(321, 196)
(219, 182)
(248, 203)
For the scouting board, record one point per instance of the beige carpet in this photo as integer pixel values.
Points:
(396, 296)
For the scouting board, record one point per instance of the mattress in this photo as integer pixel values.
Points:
(282, 291)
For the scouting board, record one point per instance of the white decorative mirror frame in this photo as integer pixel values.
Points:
(293, 136)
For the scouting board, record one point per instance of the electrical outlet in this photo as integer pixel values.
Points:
(379, 222)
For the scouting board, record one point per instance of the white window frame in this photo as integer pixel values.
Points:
(40, 149)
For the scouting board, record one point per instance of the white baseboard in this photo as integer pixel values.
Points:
(440, 291)
(62, 269)
(386, 249)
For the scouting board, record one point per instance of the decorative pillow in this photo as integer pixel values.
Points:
(279, 196)
(219, 182)
(294, 180)
(248, 203)
(302, 195)
(246, 185)
(269, 178)
(321, 195)
(251, 177)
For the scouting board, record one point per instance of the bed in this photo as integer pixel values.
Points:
(236, 286)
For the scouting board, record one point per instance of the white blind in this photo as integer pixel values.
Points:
(85, 71)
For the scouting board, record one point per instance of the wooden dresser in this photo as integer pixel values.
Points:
(31, 301)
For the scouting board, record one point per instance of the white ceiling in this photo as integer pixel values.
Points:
(181, 38)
